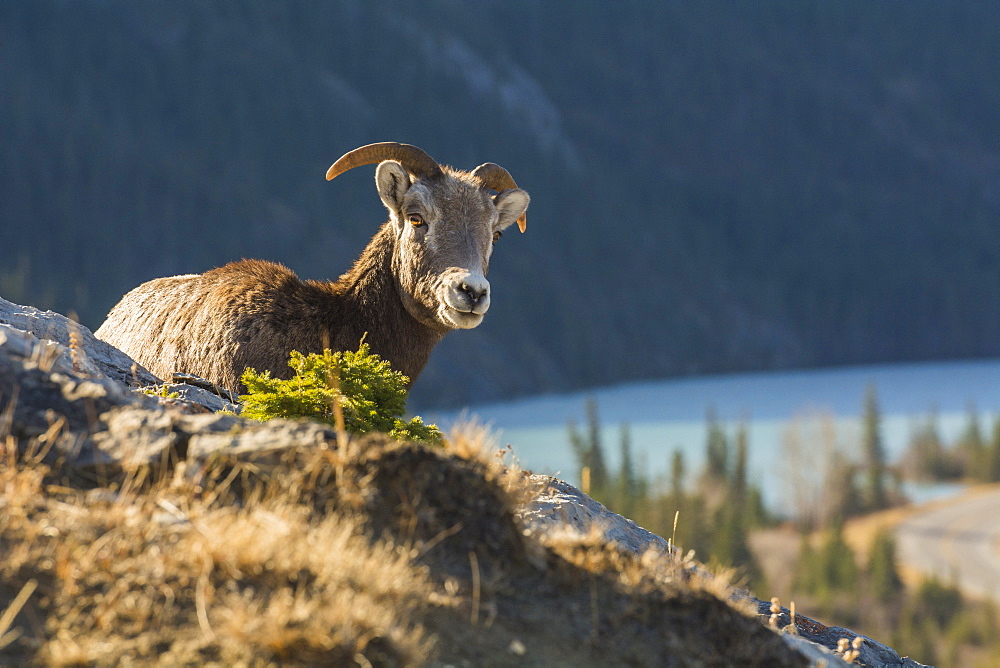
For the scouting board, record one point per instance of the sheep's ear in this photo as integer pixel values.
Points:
(512, 205)
(392, 182)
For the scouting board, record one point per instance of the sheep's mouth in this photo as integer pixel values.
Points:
(457, 319)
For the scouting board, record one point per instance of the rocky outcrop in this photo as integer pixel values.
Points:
(69, 346)
(89, 424)
(88, 354)
(68, 400)
(561, 507)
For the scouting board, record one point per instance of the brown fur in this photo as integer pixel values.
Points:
(254, 312)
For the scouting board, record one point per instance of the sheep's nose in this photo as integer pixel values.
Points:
(467, 293)
(475, 293)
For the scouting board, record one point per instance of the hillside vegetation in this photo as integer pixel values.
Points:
(366, 552)
(762, 186)
(141, 526)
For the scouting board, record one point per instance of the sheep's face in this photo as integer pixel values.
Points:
(445, 230)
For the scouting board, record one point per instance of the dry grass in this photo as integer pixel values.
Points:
(369, 553)
(473, 441)
(168, 575)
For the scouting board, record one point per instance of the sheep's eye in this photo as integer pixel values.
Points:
(497, 235)
(416, 219)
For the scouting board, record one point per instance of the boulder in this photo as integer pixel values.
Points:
(562, 506)
(74, 347)
(89, 355)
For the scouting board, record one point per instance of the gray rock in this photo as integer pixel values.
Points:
(870, 653)
(191, 397)
(131, 438)
(191, 380)
(96, 426)
(257, 442)
(563, 508)
(93, 356)
(98, 359)
(39, 379)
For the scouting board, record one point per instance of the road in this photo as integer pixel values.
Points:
(959, 542)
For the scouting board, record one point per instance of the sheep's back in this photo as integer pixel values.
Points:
(213, 325)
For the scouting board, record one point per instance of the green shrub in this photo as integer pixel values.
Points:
(371, 394)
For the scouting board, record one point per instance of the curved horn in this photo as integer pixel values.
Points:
(413, 159)
(495, 177)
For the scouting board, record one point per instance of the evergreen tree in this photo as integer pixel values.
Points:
(581, 452)
(919, 635)
(972, 448)
(729, 545)
(755, 512)
(694, 529)
(830, 569)
(927, 455)
(938, 601)
(675, 501)
(992, 465)
(368, 394)
(590, 453)
(746, 497)
(806, 574)
(599, 477)
(739, 478)
(837, 566)
(845, 499)
(628, 491)
(875, 497)
(885, 582)
(716, 449)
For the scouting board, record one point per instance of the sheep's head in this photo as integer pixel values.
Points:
(445, 223)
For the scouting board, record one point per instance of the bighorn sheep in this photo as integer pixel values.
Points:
(422, 275)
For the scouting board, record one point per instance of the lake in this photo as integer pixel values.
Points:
(664, 416)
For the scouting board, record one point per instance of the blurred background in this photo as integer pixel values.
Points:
(770, 228)
(716, 188)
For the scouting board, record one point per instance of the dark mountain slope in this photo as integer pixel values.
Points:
(713, 189)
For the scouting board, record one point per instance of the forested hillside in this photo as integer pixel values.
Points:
(715, 188)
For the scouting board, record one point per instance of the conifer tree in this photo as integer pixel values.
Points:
(739, 477)
(807, 571)
(874, 453)
(992, 465)
(590, 453)
(828, 570)
(581, 451)
(882, 569)
(716, 449)
(677, 472)
(598, 467)
(369, 394)
(844, 498)
(972, 448)
(729, 544)
(628, 489)
(839, 569)
(930, 460)
(938, 600)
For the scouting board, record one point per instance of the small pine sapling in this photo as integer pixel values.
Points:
(371, 394)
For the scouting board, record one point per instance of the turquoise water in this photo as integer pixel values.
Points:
(822, 405)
